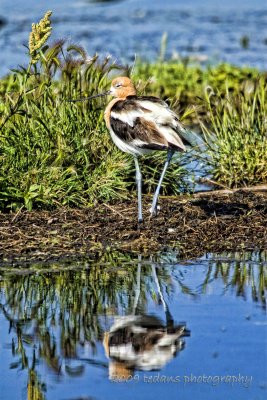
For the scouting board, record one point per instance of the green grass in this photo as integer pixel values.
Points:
(228, 104)
(54, 153)
(236, 137)
(188, 82)
(51, 151)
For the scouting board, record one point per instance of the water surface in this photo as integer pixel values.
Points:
(209, 29)
(91, 329)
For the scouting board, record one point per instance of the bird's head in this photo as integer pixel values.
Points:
(122, 87)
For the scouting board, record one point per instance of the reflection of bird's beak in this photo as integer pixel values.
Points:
(106, 93)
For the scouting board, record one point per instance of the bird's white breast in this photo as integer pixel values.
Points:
(128, 147)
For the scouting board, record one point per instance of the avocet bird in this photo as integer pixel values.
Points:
(141, 124)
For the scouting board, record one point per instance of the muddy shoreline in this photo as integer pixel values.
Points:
(212, 222)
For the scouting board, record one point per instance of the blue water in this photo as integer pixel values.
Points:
(61, 312)
(205, 30)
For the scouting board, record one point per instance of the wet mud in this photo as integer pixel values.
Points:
(191, 225)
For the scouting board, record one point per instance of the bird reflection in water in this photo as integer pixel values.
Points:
(142, 342)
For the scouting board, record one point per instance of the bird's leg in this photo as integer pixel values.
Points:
(153, 209)
(139, 188)
(138, 284)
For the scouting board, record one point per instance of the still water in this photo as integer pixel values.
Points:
(127, 326)
(213, 30)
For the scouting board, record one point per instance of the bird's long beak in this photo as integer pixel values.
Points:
(106, 93)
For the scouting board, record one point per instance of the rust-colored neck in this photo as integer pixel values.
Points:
(107, 111)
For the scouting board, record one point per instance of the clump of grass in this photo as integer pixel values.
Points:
(54, 152)
(187, 81)
(236, 137)
(229, 105)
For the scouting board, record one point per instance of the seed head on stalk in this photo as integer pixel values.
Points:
(39, 35)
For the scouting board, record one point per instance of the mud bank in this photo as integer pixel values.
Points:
(193, 225)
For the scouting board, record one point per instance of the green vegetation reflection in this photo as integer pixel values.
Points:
(54, 315)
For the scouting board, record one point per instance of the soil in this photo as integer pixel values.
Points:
(212, 222)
